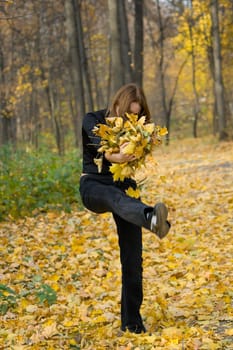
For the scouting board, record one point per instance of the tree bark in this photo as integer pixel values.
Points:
(8, 121)
(76, 74)
(116, 71)
(161, 66)
(126, 53)
(83, 57)
(139, 42)
(167, 100)
(218, 80)
(196, 106)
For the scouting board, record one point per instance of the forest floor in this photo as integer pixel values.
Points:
(60, 273)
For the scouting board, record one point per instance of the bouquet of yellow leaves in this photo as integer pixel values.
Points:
(140, 137)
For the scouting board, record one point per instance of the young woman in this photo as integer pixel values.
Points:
(101, 194)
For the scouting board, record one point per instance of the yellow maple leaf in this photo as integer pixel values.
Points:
(119, 122)
(172, 333)
(49, 330)
(73, 342)
(111, 120)
(101, 130)
(125, 138)
(141, 120)
(136, 138)
(229, 331)
(127, 170)
(129, 125)
(129, 148)
(149, 128)
(76, 245)
(133, 193)
(139, 151)
(132, 117)
(116, 170)
(99, 163)
(163, 178)
(163, 131)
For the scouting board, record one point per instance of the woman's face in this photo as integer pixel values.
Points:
(135, 108)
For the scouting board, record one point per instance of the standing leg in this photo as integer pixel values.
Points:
(130, 242)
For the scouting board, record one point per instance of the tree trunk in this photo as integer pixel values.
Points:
(34, 118)
(196, 106)
(126, 54)
(2, 97)
(72, 35)
(55, 118)
(83, 57)
(8, 122)
(161, 66)
(139, 42)
(218, 80)
(72, 109)
(116, 72)
(167, 101)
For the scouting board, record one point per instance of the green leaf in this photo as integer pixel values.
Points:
(46, 294)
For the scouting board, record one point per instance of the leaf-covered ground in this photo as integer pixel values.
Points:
(60, 274)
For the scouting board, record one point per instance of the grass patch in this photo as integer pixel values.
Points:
(37, 181)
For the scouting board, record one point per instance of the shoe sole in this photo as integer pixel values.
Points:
(162, 227)
(134, 329)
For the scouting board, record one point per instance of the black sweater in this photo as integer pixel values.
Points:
(91, 143)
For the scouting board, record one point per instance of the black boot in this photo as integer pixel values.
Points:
(158, 220)
(135, 328)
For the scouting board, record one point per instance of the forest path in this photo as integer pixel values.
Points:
(63, 269)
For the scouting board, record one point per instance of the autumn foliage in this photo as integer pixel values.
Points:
(60, 273)
(139, 137)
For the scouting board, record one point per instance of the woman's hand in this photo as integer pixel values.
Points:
(120, 157)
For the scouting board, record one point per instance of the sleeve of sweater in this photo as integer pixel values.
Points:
(90, 140)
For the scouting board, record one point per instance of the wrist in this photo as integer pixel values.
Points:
(112, 157)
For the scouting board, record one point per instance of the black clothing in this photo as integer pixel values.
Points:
(91, 143)
(107, 195)
(101, 194)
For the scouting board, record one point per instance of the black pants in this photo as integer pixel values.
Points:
(100, 194)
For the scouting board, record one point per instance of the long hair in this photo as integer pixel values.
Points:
(124, 97)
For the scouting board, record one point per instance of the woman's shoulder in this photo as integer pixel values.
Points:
(100, 114)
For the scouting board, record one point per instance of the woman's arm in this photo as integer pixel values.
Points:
(120, 157)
